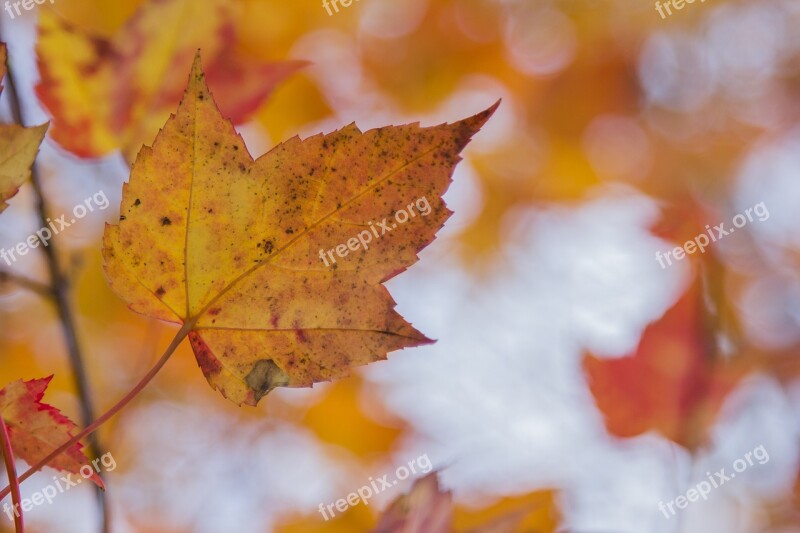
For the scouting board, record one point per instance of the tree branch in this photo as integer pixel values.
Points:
(60, 294)
(39, 288)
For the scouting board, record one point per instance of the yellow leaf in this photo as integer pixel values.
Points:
(109, 93)
(18, 149)
(98, 16)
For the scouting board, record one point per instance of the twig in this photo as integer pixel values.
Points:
(39, 288)
(184, 331)
(60, 294)
(8, 456)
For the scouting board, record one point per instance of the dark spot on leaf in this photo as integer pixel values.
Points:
(160, 292)
(165, 221)
(264, 377)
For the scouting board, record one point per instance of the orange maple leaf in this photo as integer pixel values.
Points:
(228, 245)
(36, 428)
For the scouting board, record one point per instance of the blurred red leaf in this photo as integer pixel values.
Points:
(673, 383)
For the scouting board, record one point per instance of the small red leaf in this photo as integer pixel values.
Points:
(37, 428)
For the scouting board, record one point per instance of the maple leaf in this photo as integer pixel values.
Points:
(672, 383)
(18, 149)
(36, 428)
(426, 508)
(211, 238)
(429, 509)
(114, 93)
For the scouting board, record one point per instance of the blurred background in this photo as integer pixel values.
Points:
(574, 379)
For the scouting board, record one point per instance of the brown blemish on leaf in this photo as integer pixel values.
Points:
(264, 377)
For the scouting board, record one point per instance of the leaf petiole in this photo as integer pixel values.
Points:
(91, 428)
(8, 456)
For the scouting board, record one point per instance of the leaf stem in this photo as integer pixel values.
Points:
(8, 456)
(184, 331)
(59, 290)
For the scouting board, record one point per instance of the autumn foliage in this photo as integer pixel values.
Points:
(519, 330)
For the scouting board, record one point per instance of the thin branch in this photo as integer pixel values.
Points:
(60, 293)
(182, 334)
(39, 288)
(8, 456)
